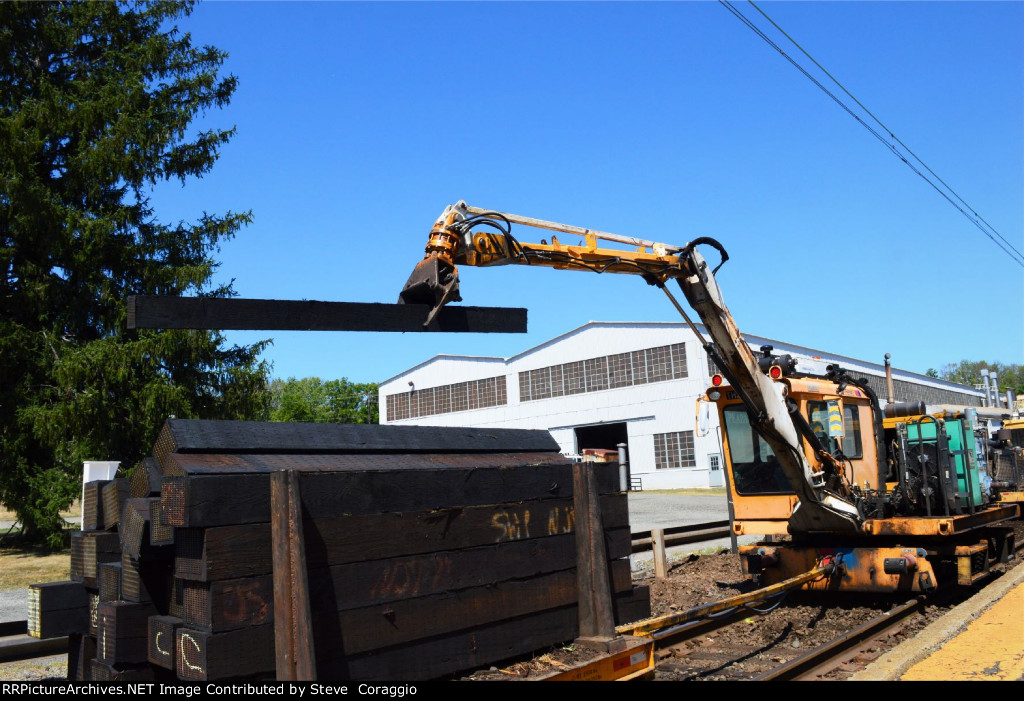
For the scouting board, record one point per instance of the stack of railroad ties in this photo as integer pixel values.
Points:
(428, 551)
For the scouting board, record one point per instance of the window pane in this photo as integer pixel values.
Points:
(639, 363)
(557, 389)
(660, 462)
(620, 370)
(524, 387)
(485, 392)
(852, 447)
(755, 470)
(459, 398)
(817, 417)
(596, 370)
(397, 406)
(659, 364)
(443, 399)
(540, 383)
(425, 401)
(672, 449)
(678, 361)
(686, 456)
(573, 378)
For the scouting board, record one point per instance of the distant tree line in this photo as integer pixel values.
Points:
(968, 372)
(323, 401)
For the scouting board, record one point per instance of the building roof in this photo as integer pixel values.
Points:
(753, 340)
(445, 356)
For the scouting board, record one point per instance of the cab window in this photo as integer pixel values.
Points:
(817, 417)
(850, 444)
(755, 469)
(852, 447)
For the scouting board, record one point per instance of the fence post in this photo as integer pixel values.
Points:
(658, 550)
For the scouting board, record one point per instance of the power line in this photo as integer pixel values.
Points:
(890, 143)
(887, 129)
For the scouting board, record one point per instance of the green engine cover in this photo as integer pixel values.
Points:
(961, 446)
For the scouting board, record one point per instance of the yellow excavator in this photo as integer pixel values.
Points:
(889, 491)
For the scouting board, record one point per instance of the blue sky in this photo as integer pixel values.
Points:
(358, 122)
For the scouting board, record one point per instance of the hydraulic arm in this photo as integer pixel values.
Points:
(465, 235)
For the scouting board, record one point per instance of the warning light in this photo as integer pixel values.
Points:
(714, 395)
(716, 380)
(775, 372)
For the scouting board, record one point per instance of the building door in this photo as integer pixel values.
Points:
(715, 476)
(602, 436)
(605, 437)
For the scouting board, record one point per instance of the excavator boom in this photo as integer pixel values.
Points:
(465, 235)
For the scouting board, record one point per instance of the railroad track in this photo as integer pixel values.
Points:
(693, 651)
(847, 650)
(696, 653)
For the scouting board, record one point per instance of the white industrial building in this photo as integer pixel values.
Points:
(607, 383)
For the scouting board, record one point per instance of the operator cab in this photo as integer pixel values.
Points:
(841, 420)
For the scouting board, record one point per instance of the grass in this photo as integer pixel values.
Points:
(21, 566)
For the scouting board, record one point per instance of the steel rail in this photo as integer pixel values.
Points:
(663, 626)
(802, 666)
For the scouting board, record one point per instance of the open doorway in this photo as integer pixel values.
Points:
(602, 436)
(605, 437)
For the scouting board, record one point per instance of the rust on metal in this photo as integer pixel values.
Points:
(634, 660)
(972, 563)
(867, 569)
(946, 526)
(661, 624)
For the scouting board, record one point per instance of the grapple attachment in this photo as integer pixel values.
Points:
(434, 282)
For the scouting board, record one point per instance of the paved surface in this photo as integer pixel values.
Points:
(981, 639)
(649, 510)
(13, 605)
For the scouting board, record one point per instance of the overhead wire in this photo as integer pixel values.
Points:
(1015, 255)
(887, 129)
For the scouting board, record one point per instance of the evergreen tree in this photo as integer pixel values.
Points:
(96, 103)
